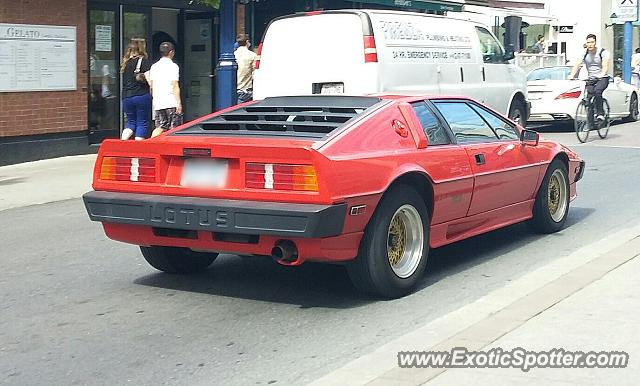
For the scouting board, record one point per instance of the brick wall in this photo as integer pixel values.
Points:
(240, 19)
(28, 113)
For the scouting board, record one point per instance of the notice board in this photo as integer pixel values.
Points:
(37, 58)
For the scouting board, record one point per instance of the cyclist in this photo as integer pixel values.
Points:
(597, 63)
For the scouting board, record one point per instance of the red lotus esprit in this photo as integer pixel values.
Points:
(371, 181)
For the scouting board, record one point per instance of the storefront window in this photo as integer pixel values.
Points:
(134, 26)
(103, 76)
(618, 49)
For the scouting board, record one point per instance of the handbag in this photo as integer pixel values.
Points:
(139, 75)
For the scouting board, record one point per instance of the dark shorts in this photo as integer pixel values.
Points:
(168, 118)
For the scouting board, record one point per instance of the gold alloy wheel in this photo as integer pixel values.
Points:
(405, 241)
(557, 195)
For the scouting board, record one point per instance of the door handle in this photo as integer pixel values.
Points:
(484, 76)
(479, 159)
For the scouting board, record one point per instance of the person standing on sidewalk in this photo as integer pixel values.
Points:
(246, 64)
(164, 76)
(136, 99)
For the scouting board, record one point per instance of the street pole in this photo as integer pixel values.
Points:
(626, 62)
(226, 70)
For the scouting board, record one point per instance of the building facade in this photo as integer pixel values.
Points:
(59, 68)
(57, 117)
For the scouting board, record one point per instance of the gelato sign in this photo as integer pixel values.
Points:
(37, 58)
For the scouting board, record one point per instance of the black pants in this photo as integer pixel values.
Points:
(596, 87)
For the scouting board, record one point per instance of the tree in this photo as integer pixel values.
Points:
(211, 3)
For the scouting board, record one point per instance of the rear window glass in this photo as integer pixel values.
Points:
(549, 73)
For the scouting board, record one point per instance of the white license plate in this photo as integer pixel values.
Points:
(332, 88)
(204, 173)
(534, 95)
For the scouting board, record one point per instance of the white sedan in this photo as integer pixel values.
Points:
(554, 98)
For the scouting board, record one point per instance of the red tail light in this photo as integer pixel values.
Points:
(570, 94)
(281, 177)
(128, 169)
(370, 50)
(311, 13)
(258, 53)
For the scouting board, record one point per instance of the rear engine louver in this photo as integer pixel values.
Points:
(286, 116)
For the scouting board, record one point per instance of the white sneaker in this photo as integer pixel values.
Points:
(600, 117)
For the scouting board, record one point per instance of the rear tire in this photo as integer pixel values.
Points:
(393, 252)
(177, 260)
(517, 112)
(603, 128)
(551, 207)
(633, 109)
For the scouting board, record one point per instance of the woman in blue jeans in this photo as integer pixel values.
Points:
(136, 99)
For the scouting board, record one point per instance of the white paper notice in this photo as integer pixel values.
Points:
(37, 58)
(103, 38)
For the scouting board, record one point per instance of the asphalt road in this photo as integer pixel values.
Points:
(78, 308)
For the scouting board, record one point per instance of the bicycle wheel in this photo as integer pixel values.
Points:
(603, 127)
(581, 121)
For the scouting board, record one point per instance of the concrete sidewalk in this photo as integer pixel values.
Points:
(39, 182)
(587, 300)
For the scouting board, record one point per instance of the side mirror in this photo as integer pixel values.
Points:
(617, 80)
(529, 137)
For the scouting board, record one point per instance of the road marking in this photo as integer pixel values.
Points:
(478, 324)
(615, 146)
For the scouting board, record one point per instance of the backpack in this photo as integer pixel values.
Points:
(587, 53)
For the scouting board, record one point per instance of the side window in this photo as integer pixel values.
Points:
(436, 134)
(503, 129)
(465, 123)
(491, 50)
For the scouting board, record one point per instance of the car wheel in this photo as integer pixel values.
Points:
(552, 202)
(177, 260)
(393, 252)
(633, 109)
(517, 112)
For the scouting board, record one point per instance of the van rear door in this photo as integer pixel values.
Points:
(315, 53)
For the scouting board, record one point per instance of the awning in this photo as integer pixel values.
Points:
(531, 16)
(430, 5)
(509, 4)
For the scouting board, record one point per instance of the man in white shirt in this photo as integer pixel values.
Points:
(246, 64)
(165, 89)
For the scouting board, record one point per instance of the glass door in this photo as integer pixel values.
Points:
(198, 66)
(103, 91)
(136, 24)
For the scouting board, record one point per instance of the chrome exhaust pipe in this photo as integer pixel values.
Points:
(285, 252)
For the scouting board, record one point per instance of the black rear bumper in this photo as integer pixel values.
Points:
(217, 215)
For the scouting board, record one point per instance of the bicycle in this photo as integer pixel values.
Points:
(585, 119)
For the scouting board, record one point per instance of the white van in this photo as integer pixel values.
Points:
(358, 52)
